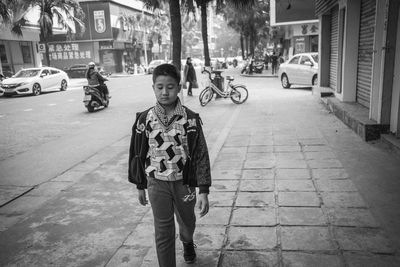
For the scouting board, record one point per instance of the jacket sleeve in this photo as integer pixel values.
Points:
(136, 172)
(202, 159)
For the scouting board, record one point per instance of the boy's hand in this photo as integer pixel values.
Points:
(203, 204)
(142, 197)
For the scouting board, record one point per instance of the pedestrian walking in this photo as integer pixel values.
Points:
(168, 155)
(274, 63)
(266, 61)
(189, 75)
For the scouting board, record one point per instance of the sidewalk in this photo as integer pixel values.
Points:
(292, 186)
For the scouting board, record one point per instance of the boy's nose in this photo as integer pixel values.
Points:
(164, 91)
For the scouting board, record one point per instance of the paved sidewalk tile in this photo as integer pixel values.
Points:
(363, 239)
(255, 199)
(304, 199)
(295, 185)
(306, 238)
(370, 259)
(360, 217)
(302, 216)
(264, 238)
(256, 185)
(265, 216)
(290, 174)
(301, 259)
(249, 258)
(258, 174)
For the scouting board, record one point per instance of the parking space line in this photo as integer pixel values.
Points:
(52, 104)
(29, 109)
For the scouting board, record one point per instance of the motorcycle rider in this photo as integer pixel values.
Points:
(95, 79)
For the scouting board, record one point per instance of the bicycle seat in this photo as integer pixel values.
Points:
(229, 78)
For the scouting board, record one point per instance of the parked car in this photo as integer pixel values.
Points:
(77, 71)
(301, 69)
(153, 64)
(34, 81)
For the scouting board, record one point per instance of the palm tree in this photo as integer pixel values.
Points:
(176, 26)
(12, 13)
(220, 5)
(65, 11)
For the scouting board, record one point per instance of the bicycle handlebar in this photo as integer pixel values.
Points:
(209, 73)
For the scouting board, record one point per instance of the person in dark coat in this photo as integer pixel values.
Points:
(274, 62)
(189, 75)
(95, 79)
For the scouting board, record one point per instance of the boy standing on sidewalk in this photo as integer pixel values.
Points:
(168, 155)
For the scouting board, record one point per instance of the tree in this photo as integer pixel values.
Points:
(220, 5)
(176, 26)
(64, 11)
(252, 26)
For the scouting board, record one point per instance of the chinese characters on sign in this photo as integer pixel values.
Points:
(67, 52)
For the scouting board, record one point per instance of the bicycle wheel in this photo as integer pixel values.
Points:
(239, 94)
(205, 96)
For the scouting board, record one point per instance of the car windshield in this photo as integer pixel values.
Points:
(315, 57)
(27, 73)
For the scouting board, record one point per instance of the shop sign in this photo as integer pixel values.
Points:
(99, 21)
(42, 48)
(300, 45)
(104, 45)
(68, 51)
(305, 29)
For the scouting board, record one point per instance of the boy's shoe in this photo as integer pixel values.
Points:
(190, 94)
(189, 254)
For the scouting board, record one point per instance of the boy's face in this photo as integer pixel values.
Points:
(166, 90)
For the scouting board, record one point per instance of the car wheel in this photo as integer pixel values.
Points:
(36, 89)
(315, 80)
(285, 81)
(64, 85)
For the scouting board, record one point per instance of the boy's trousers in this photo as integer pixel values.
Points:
(167, 198)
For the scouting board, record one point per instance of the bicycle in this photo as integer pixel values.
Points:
(237, 92)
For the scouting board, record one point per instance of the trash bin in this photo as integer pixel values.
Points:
(218, 81)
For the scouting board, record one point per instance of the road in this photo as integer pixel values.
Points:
(44, 136)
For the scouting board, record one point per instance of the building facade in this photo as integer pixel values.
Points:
(298, 26)
(359, 49)
(109, 40)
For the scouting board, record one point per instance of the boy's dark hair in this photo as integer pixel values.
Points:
(167, 70)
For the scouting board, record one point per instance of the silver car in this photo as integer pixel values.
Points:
(35, 80)
(301, 69)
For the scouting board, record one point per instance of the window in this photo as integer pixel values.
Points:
(54, 71)
(45, 73)
(3, 54)
(26, 52)
(304, 59)
(294, 60)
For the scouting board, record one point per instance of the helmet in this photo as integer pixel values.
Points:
(91, 65)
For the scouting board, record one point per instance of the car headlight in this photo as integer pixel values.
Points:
(20, 84)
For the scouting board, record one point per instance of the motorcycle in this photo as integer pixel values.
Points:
(255, 68)
(94, 99)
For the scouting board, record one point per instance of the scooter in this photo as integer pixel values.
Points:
(258, 68)
(94, 99)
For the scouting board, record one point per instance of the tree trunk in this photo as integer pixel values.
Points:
(242, 45)
(176, 29)
(204, 34)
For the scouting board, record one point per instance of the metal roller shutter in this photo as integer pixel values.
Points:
(333, 58)
(365, 52)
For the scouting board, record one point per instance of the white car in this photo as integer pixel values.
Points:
(301, 69)
(153, 64)
(35, 80)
